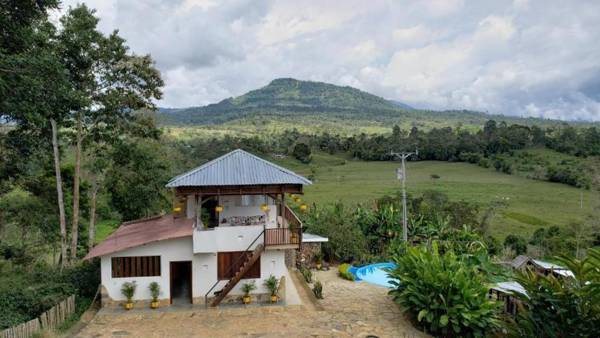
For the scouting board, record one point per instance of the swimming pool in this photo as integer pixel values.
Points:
(374, 273)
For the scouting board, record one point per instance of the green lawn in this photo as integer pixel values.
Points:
(530, 203)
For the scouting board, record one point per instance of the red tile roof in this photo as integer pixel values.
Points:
(143, 231)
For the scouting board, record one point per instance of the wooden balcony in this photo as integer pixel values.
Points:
(288, 235)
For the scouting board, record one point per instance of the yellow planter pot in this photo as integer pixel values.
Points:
(128, 306)
(274, 299)
(154, 305)
(247, 299)
(319, 266)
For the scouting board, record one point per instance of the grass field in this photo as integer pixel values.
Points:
(530, 203)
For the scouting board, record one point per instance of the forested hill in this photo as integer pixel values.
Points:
(294, 99)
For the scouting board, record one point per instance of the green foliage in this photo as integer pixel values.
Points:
(306, 273)
(517, 243)
(154, 288)
(445, 295)
(337, 222)
(128, 290)
(248, 287)
(272, 284)
(344, 273)
(302, 152)
(561, 307)
(318, 290)
(25, 294)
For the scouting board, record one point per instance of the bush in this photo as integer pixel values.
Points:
(272, 284)
(306, 273)
(318, 290)
(444, 294)
(344, 273)
(517, 243)
(154, 290)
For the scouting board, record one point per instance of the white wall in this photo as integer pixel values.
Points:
(204, 269)
(168, 250)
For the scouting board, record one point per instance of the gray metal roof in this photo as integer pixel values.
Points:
(237, 168)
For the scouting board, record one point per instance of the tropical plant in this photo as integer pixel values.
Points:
(447, 296)
(561, 306)
(344, 273)
(318, 290)
(154, 291)
(272, 284)
(306, 273)
(128, 290)
(248, 287)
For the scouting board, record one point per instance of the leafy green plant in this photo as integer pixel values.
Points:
(318, 290)
(154, 291)
(344, 273)
(128, 290)
(248, 287)
(447, 296)
(272, 284)
(306, 273)
(561, 306)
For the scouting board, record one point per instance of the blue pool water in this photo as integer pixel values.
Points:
(374, 273)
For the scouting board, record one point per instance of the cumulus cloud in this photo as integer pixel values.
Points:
(525, 58)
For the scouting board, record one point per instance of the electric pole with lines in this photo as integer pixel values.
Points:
(401, 173)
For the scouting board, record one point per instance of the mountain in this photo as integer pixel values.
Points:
(308, 102)
(286, 97)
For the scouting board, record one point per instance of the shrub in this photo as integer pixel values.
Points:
(318, 290)
(306, 273)
(272, 284)
(516, 243)
(128, 290)
(344, 273)
(154, 291)
(444, 294)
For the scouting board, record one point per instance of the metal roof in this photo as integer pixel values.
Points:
(237, 168)
(312, 238)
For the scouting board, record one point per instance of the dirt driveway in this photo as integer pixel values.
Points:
(349, 309)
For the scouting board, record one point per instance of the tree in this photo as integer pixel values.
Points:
(36, 104)
(110, 84)
(302, 152)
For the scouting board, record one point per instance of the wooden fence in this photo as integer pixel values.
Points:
(48, 320)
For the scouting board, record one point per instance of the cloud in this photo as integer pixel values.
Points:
(526, 58)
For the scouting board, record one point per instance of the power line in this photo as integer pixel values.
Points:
(401, 173)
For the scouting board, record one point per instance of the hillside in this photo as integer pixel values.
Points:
(295, 102)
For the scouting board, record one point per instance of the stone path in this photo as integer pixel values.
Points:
(349, 310)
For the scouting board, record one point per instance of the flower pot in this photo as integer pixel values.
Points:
(274, 298)
(128, 305)
(247, 299)
(319, 266)
(154, 305)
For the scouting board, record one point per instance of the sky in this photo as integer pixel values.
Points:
(522, 57)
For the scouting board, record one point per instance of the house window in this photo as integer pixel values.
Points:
(230, 262)
(140, 266)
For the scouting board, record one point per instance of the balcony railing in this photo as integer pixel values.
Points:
(290, 232)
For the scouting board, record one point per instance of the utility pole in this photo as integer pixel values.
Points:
(401, 173)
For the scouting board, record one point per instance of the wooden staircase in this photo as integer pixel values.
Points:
(250, 260)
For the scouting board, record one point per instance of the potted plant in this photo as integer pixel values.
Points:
(272, 284)
(319, 260)
(128, 290)
(247, 288)
(155, 292)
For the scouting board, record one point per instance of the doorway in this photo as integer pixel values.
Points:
(181, 282)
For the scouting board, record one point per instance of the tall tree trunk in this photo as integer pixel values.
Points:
(76, 176)
(92, 228)
(59, 193)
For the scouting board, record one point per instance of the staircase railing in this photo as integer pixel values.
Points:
(235, 264)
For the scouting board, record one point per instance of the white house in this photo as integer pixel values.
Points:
(230, 225)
